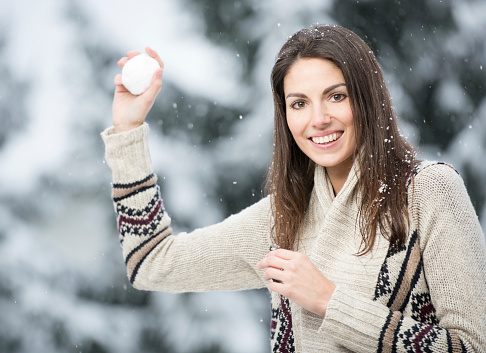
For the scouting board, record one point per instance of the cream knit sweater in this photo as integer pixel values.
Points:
(429, 296)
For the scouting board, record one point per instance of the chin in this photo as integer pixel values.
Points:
(338, 162)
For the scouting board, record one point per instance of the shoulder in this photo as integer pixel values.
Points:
(433, 168)
(432, 178)
(439, 202)
(436, 190)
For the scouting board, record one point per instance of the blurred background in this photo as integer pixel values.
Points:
(63, 286)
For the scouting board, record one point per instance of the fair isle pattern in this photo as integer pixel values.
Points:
(281, 332)
(409, 289)
(141, 221)
(355, 321)
(121, 191)
(397, 297)
(422, 308)
(136, 257)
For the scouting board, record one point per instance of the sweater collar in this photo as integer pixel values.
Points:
(325, 191)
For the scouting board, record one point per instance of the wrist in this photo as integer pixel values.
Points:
(326, 298)
(125, 127)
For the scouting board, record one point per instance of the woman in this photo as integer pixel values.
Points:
(370, 249)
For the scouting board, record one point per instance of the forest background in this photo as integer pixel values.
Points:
(63, 286)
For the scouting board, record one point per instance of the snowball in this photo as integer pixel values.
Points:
(137, 73)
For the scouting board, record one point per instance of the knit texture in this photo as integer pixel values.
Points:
(427, 296)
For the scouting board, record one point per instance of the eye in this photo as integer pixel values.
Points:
(337, 97)
(298, 105)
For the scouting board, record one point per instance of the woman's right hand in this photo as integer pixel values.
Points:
(130, 111)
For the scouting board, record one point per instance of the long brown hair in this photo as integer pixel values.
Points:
(384, 157)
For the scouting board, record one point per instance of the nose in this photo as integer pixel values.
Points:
(320, 116)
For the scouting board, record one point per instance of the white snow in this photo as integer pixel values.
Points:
(137, 73)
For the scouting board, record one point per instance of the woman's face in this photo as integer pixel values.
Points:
(319, 113)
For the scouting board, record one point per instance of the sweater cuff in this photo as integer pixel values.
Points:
(127, 154)
(354, 321)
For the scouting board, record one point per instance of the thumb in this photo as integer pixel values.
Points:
(155, 85)
(118, 84)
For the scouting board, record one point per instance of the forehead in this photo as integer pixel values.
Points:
(308, 72)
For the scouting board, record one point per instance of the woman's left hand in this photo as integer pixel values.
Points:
(296, 278)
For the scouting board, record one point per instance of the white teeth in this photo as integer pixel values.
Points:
(326, 139)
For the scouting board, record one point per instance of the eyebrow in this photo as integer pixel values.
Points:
(326, 91)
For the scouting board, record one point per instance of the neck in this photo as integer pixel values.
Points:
(338, 176)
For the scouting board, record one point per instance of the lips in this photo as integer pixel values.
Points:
(322, 140)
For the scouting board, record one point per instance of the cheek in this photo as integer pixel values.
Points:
(294, 129)
(352, 135)
(296, 125)
(348, 119)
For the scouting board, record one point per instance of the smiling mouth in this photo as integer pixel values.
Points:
(322, 140)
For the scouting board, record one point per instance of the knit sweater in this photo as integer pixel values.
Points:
(427, 296)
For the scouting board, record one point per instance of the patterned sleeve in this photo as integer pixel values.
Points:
(454, 259)
(219, 257)
(431, 293)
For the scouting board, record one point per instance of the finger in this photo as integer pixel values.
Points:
(274, 274)
(118, 80)
(132, 53)
(283, 253)
(272, 261)
(123, 61)
(120, 89)
(152, 53)
(118, 84)
(155, 85)
(277, 287)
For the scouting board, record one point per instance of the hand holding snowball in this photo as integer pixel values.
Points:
(137, 73)
(131, 109)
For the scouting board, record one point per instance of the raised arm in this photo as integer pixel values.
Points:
(219, 257)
